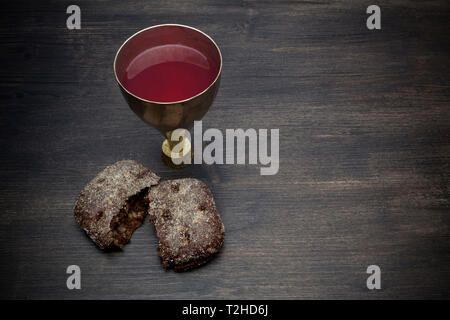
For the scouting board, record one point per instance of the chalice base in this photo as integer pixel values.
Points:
(180, 159)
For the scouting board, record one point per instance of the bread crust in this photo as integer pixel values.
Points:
(108, 195)
(186, 221)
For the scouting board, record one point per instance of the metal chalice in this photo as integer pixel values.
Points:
(167, 116)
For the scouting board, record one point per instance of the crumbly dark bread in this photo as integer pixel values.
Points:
(186, 222)
(115, 203)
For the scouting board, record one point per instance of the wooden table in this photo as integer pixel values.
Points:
(364, 121)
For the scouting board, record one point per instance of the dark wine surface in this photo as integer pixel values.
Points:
(169, 73)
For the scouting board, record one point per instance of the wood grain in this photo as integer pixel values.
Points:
(364, 125)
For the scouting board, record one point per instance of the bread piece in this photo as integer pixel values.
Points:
(186, 222)
(115, 203)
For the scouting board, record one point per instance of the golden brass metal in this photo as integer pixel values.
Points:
(168, 155)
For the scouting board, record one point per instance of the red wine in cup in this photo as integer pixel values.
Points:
(169, 73)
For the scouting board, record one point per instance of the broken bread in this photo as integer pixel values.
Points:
(186, 221)
(115, 203)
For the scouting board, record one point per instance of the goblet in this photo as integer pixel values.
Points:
(169, 75)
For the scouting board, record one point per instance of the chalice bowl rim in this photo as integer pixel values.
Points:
(169, 102)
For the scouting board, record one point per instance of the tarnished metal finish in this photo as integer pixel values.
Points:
(168, 116)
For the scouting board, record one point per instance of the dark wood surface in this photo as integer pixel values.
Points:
(364, 121)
